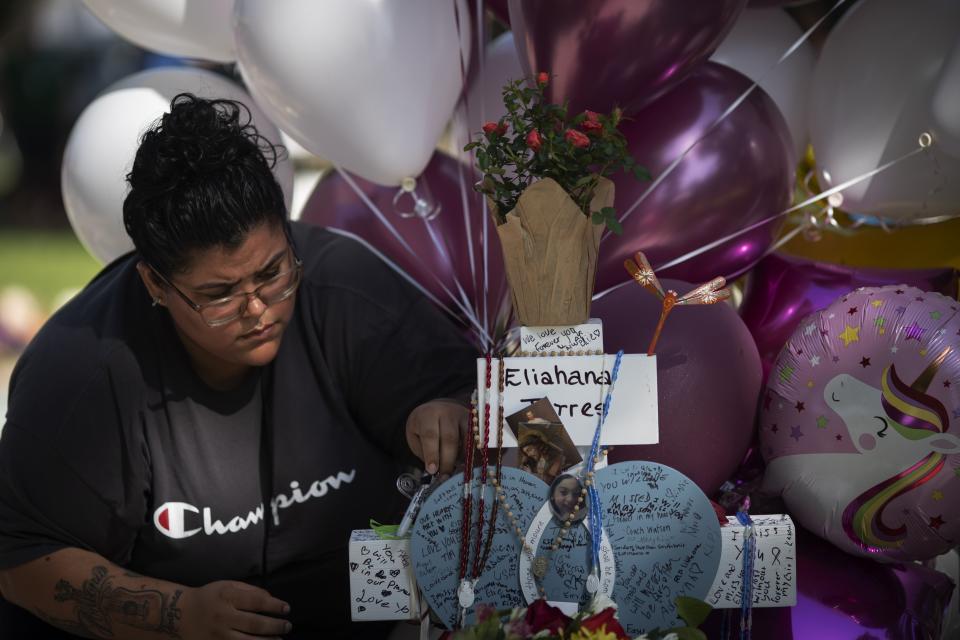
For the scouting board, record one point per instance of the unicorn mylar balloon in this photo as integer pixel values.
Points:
(860, 421)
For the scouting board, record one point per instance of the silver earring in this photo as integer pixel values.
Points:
(156, 301)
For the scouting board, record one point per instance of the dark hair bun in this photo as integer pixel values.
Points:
(199, 137)
(201, 178)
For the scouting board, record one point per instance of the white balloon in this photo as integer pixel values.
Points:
(367, 84)
(753, 46)
(484, 100)
(184, 28)
(104, 140)
(890, 71)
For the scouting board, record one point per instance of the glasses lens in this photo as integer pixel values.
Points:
(280, 288)
(223, 311)
(271, 292)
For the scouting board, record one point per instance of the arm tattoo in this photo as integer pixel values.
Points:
(100, 604)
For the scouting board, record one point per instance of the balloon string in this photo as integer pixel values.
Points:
(467, 223)
(467, 311)
(465, 107)
(481, 49)
(723, 116)
(438, 244)
(393, 265)
(736, 234)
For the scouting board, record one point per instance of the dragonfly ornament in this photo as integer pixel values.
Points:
(642, 273)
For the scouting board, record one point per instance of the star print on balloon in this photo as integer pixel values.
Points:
(849, 335)
(872, 460)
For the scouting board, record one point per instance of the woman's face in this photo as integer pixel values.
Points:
(531, 450)
(565, 495)
(224, 353)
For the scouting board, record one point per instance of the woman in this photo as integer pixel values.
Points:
(539, 456)
(191, 439)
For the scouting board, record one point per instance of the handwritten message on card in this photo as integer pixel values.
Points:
(381, 578)
(666, 539)
(774, 564)
(576, 385)
(580, 337)
(435, 543)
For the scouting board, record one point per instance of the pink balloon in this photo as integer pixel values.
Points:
(739, 174)
(708, 381)
(859, 423)
(445, 255)
(782, 290)
(605, 53)
(842, 597)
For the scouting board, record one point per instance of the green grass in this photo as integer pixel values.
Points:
(45, 262)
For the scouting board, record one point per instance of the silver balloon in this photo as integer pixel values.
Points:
(889, 72)
(758, 39)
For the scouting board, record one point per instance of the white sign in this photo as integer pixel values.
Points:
(382, 584)
(577, 386)
(580, 337)
(774, 564)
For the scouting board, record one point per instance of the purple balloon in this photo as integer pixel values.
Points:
(500, 10)
(606, 53)
(841, 597)
(445, 255)
(708, 381)
(783, 290)
(737, 175)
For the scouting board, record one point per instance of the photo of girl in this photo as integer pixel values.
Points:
(565, 491)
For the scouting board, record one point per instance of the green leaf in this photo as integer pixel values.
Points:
(641, 173)
(692, 611)
(609, 212)
(614, 225)
(597, 218)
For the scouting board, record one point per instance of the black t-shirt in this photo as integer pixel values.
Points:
(113, 444)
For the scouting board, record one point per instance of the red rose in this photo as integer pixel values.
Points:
(490, 127)
(590, 125)
(543, 617)
(501, 128)
(543, 78)
(591, 121)
(605, 619)
(576, 138)
(533, 140)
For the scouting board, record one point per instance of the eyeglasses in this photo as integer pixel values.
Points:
(223, 311)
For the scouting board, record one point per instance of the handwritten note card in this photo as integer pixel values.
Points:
(579, 337)
(774, 564)
(435, 543)
(382, 586)
(665, 538)
(577, 385)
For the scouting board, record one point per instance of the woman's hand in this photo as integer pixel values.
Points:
(232, 610)
(435, 431)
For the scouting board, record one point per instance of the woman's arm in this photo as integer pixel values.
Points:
(84, 594)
